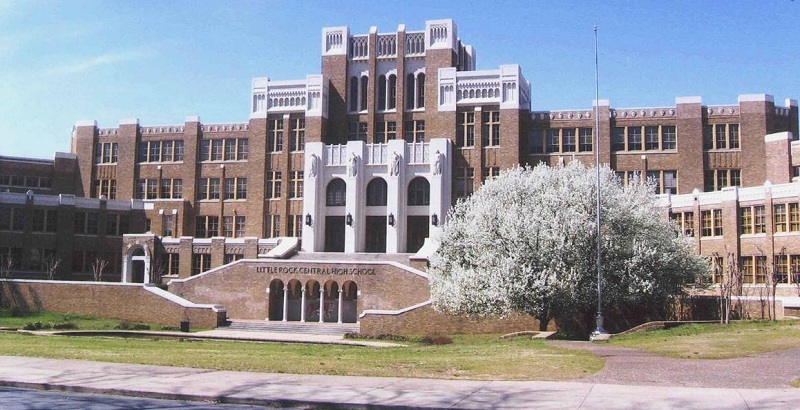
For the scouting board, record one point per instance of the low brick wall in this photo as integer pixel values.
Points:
(108, 300)
(426, 321)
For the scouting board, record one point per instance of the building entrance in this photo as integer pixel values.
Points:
(376, 234)
(418, 230)
(334, 234)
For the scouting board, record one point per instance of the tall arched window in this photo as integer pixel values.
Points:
(336, 194)
(382, 93)
(364, 83)
(392, 103)
(376, 192)
(419, 192)
(421, 90)
(409, 97)
(353, 93)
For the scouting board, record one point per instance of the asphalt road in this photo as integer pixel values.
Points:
(19, 399)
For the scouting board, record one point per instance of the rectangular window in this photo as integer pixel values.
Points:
(106, 153)
(684, 222)
(491, 173)
(167, 151)
(178, 153)
(634, 138)
(668, 137)
(297, 142)
(618, 139)
(202, 263)
(568, 140)
(553, 140)
(275, 135)
(227, 226)
(386, 131)
(230, 150)
(752, 219)
(236, 188)
(781, 274)
(357, 131)
(708, 137)
(274, 226)
(173, 263)
(536, 141)
(206, 226)
(651, 138)
(273, 182)
(491, 128)
(216, 150)
(414, 131)
(169, 225)
(465, 181)
(295, 227)
(465, 131)
(779, 218)
(747, 265)
(105, 187)
(716, 179)
(208, 188)
(151, 189)
(112, 225)
(232, 257)
(242, 149)
(44, 220)
(585, 139)
(733, 136)
(712, 222)
(296, 184)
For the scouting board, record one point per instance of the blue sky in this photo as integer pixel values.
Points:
(160, 61)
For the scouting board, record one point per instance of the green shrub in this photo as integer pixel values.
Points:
(436, 340)
(65, 326)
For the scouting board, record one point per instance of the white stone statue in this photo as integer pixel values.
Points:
(353, 164)
(437, 163)
(394, 169)
(314, 164)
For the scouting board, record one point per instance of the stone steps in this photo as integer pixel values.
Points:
(293, 327)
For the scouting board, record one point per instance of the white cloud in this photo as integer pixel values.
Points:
(91, 63)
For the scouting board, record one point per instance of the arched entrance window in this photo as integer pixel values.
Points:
(276, 295)
(376, 192)
(136, 265)
(336, 193)
(312, 301)
(419, 192)
(330, 305)
(294, 304)
(349, 302)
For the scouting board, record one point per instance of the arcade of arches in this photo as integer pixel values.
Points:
(295, 301)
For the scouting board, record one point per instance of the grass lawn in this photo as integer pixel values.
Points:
(715, 341)
(478, 357)
(9, 319)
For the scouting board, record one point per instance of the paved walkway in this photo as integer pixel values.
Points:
(636, 367)
(631, 379)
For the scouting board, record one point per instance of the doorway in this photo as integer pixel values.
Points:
(418, 230)
(376, 234)
(334, 234)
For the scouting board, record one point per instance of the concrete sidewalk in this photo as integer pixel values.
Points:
(368, 392)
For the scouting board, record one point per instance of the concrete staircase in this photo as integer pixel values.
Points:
(331, 329)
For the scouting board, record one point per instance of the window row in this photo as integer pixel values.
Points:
(209, 188)
(208, 226)
(26, 181)
(716, 179)
(106, 153)
(274, 184)
(418, 192)
(358, 92)
(665, 181)
(721, 136)
(86, 261)
(167, 188)
(161, 151)
(105, 187)
(643, 138)
(786, 217)
(228, 149)
(755, 269)
(558, 140)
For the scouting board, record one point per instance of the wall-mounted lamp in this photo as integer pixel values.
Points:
(308, 220)
(349, 220)
(391, 220)
(434, 220)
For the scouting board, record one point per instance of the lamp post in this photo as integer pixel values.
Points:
(599, 330)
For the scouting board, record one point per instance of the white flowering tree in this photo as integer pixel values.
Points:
(526, 242)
